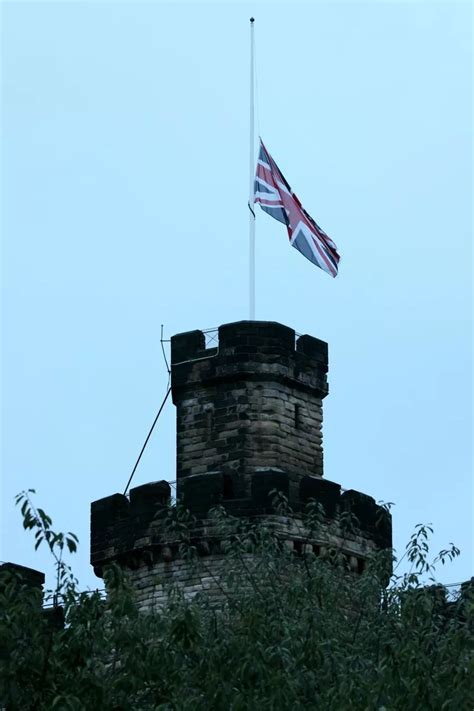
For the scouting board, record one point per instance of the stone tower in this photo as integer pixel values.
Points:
(249, 421)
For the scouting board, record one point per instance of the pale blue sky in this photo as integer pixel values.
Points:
(124, 189)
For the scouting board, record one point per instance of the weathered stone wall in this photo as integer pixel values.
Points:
(152, 584)
(132, 532)
(152, 577)
(249, 426)
(129, 529)
(253, 402)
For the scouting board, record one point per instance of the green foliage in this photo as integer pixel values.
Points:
(36, 519)
(290, 632)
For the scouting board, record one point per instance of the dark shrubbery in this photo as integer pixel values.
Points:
(291, 632)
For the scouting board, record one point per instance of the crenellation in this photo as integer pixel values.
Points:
(249, 416)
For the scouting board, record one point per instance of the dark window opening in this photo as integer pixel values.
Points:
(297, 417)
(360, 565)
(209, 422)
(228, 487)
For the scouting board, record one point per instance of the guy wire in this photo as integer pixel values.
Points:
(168, 390)
(147, 438)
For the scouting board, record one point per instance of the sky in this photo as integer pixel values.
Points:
(124, 186)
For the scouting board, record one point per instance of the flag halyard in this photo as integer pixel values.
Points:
(275, 197)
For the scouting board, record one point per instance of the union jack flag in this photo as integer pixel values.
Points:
(275, 196)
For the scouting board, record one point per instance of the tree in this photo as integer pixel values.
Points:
(290, 632)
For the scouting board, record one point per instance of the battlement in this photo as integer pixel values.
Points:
(265, 350)
(202, 492)
(131, 530)
(247, 337)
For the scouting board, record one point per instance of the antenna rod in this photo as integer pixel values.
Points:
(251, 181)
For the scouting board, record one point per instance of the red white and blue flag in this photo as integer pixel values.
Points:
(275, 196)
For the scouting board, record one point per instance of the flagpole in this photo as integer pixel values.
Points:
(251, 181)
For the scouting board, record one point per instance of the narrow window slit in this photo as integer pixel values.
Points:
(297, 417)
(228, 487)
(209, 420)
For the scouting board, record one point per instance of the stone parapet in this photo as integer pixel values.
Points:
(263, 349)
(29, 577)
(124, 531)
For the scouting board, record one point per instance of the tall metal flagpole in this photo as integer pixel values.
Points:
(251, 182)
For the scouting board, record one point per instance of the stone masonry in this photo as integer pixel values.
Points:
(254, 401)
(249, 422)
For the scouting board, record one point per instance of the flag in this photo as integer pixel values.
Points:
(275, 196)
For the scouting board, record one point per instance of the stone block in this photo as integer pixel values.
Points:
(323, 491)
(185, 346)
(27, 576)
(265, 481)
(313, 347)
(150, 497)
(108, 510)
(361, 506)
(202, 492)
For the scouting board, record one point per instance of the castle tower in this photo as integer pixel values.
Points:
(249, 421)
(250, 405)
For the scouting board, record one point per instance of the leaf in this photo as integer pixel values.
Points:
(71, 544)
(45, 519)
